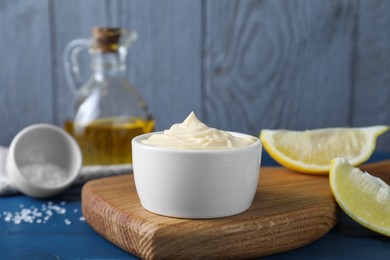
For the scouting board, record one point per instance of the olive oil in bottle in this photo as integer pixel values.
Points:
(108, 109)
(108, 141)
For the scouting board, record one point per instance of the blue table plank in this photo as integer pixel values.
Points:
(65, 235)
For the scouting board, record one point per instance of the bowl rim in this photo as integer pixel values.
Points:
(137, 140)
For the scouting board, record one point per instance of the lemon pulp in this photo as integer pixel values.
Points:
(365, 198)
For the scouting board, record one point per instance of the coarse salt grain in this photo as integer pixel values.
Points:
(44, 174)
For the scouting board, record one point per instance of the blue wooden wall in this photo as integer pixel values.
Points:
(240, 65)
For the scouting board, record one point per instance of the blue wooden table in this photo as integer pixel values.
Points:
(59, 231)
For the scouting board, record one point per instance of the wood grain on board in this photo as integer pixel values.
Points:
(290, 210)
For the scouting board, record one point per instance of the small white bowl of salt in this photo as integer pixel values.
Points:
(43, 160)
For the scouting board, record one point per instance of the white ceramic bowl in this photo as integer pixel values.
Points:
(196, 183)
(43, 144)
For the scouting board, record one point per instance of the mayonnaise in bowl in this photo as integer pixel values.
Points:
(194, 171)
(192, 134)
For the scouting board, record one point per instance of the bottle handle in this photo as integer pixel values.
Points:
(71, 65)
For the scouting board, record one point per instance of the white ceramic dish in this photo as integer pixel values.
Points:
(196, 183)
(43, 144)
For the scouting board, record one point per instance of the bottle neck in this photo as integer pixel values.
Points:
(108, 64)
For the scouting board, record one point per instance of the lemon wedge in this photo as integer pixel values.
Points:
(365, 198)
(311, 151)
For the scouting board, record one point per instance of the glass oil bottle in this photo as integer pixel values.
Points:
(108, 110)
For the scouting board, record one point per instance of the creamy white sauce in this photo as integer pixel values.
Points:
(192, 134)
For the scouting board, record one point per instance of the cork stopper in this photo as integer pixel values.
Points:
(106, 39)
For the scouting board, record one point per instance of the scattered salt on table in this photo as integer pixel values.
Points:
(38, 215)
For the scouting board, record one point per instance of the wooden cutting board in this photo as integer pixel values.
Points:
(290, 210)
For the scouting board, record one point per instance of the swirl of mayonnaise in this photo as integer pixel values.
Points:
(192, 134)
